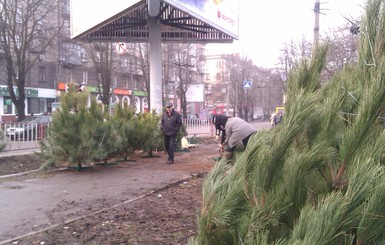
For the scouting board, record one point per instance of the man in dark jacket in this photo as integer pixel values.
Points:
(170, 124)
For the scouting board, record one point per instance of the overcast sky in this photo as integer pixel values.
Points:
(265, 25)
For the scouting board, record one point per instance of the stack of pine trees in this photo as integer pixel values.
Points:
(318, 178)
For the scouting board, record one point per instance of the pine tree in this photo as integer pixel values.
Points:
(152, 134)
(69, 136)
(103, 138)
(318, 178)
(122, 123)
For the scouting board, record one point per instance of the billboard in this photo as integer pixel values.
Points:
(220, 14)
(195, 93)
(87, 14)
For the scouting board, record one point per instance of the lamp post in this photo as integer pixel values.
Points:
(228, 90)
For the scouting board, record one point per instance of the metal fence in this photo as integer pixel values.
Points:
(23, 136)
(199, 127)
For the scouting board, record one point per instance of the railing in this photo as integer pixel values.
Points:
(22, 136)
(199, 127)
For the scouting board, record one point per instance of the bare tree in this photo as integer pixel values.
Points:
(102, 56)
(292, 54)
(342, 51)
(24, 36)
(142, 49)
(244, 73)
(184, 70)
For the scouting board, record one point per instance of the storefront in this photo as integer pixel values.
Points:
(140, 101)
(122, 96)
(37, 101)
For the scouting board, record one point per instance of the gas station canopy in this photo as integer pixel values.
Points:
(180, 21)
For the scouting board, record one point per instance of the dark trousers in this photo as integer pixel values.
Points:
(244, 142)
(169, 143)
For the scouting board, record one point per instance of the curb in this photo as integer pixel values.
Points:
(32, 171)
(18, 174)
(18, 152)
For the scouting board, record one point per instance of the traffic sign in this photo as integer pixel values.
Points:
(121, 48)
(247, 85)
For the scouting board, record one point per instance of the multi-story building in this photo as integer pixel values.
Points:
(70, 61)
(218, 82)
(65, 61)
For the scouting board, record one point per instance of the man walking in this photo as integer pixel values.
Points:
(170, 124)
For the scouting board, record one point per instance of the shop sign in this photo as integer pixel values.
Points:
(122, 91)
(92, 89)
(139, 93)
(29, 92)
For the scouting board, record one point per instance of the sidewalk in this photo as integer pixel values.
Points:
(41, 200)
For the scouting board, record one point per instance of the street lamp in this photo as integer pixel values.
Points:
(228, 90)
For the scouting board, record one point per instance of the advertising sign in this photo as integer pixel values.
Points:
(87, 14)
(220, 14)
(195, 93)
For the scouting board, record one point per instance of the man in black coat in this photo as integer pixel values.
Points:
(170, 125)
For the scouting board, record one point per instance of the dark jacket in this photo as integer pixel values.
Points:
(220, 121)
(170, 124)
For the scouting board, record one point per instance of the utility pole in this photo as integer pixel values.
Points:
(228, 90)
(317, 9)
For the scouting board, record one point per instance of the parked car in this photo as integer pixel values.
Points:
(29, 129)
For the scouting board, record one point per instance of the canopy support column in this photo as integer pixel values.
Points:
(155, 57)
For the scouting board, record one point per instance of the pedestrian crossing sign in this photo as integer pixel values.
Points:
(246, 84)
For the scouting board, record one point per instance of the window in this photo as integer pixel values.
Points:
(127, 83)
(7, 105)
(98, 56)
(125, 62)
(42, 73)
(85, 77)
(115, 81)
(42, 105)
(36, 105)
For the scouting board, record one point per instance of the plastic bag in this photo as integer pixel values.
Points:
(184, 143)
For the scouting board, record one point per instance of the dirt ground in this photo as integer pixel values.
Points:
(164, 216)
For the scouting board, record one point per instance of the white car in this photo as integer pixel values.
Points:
(29, 129)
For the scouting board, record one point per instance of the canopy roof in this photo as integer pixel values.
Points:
(131, 25)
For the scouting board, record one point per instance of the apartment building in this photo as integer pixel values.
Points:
(67, 61)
